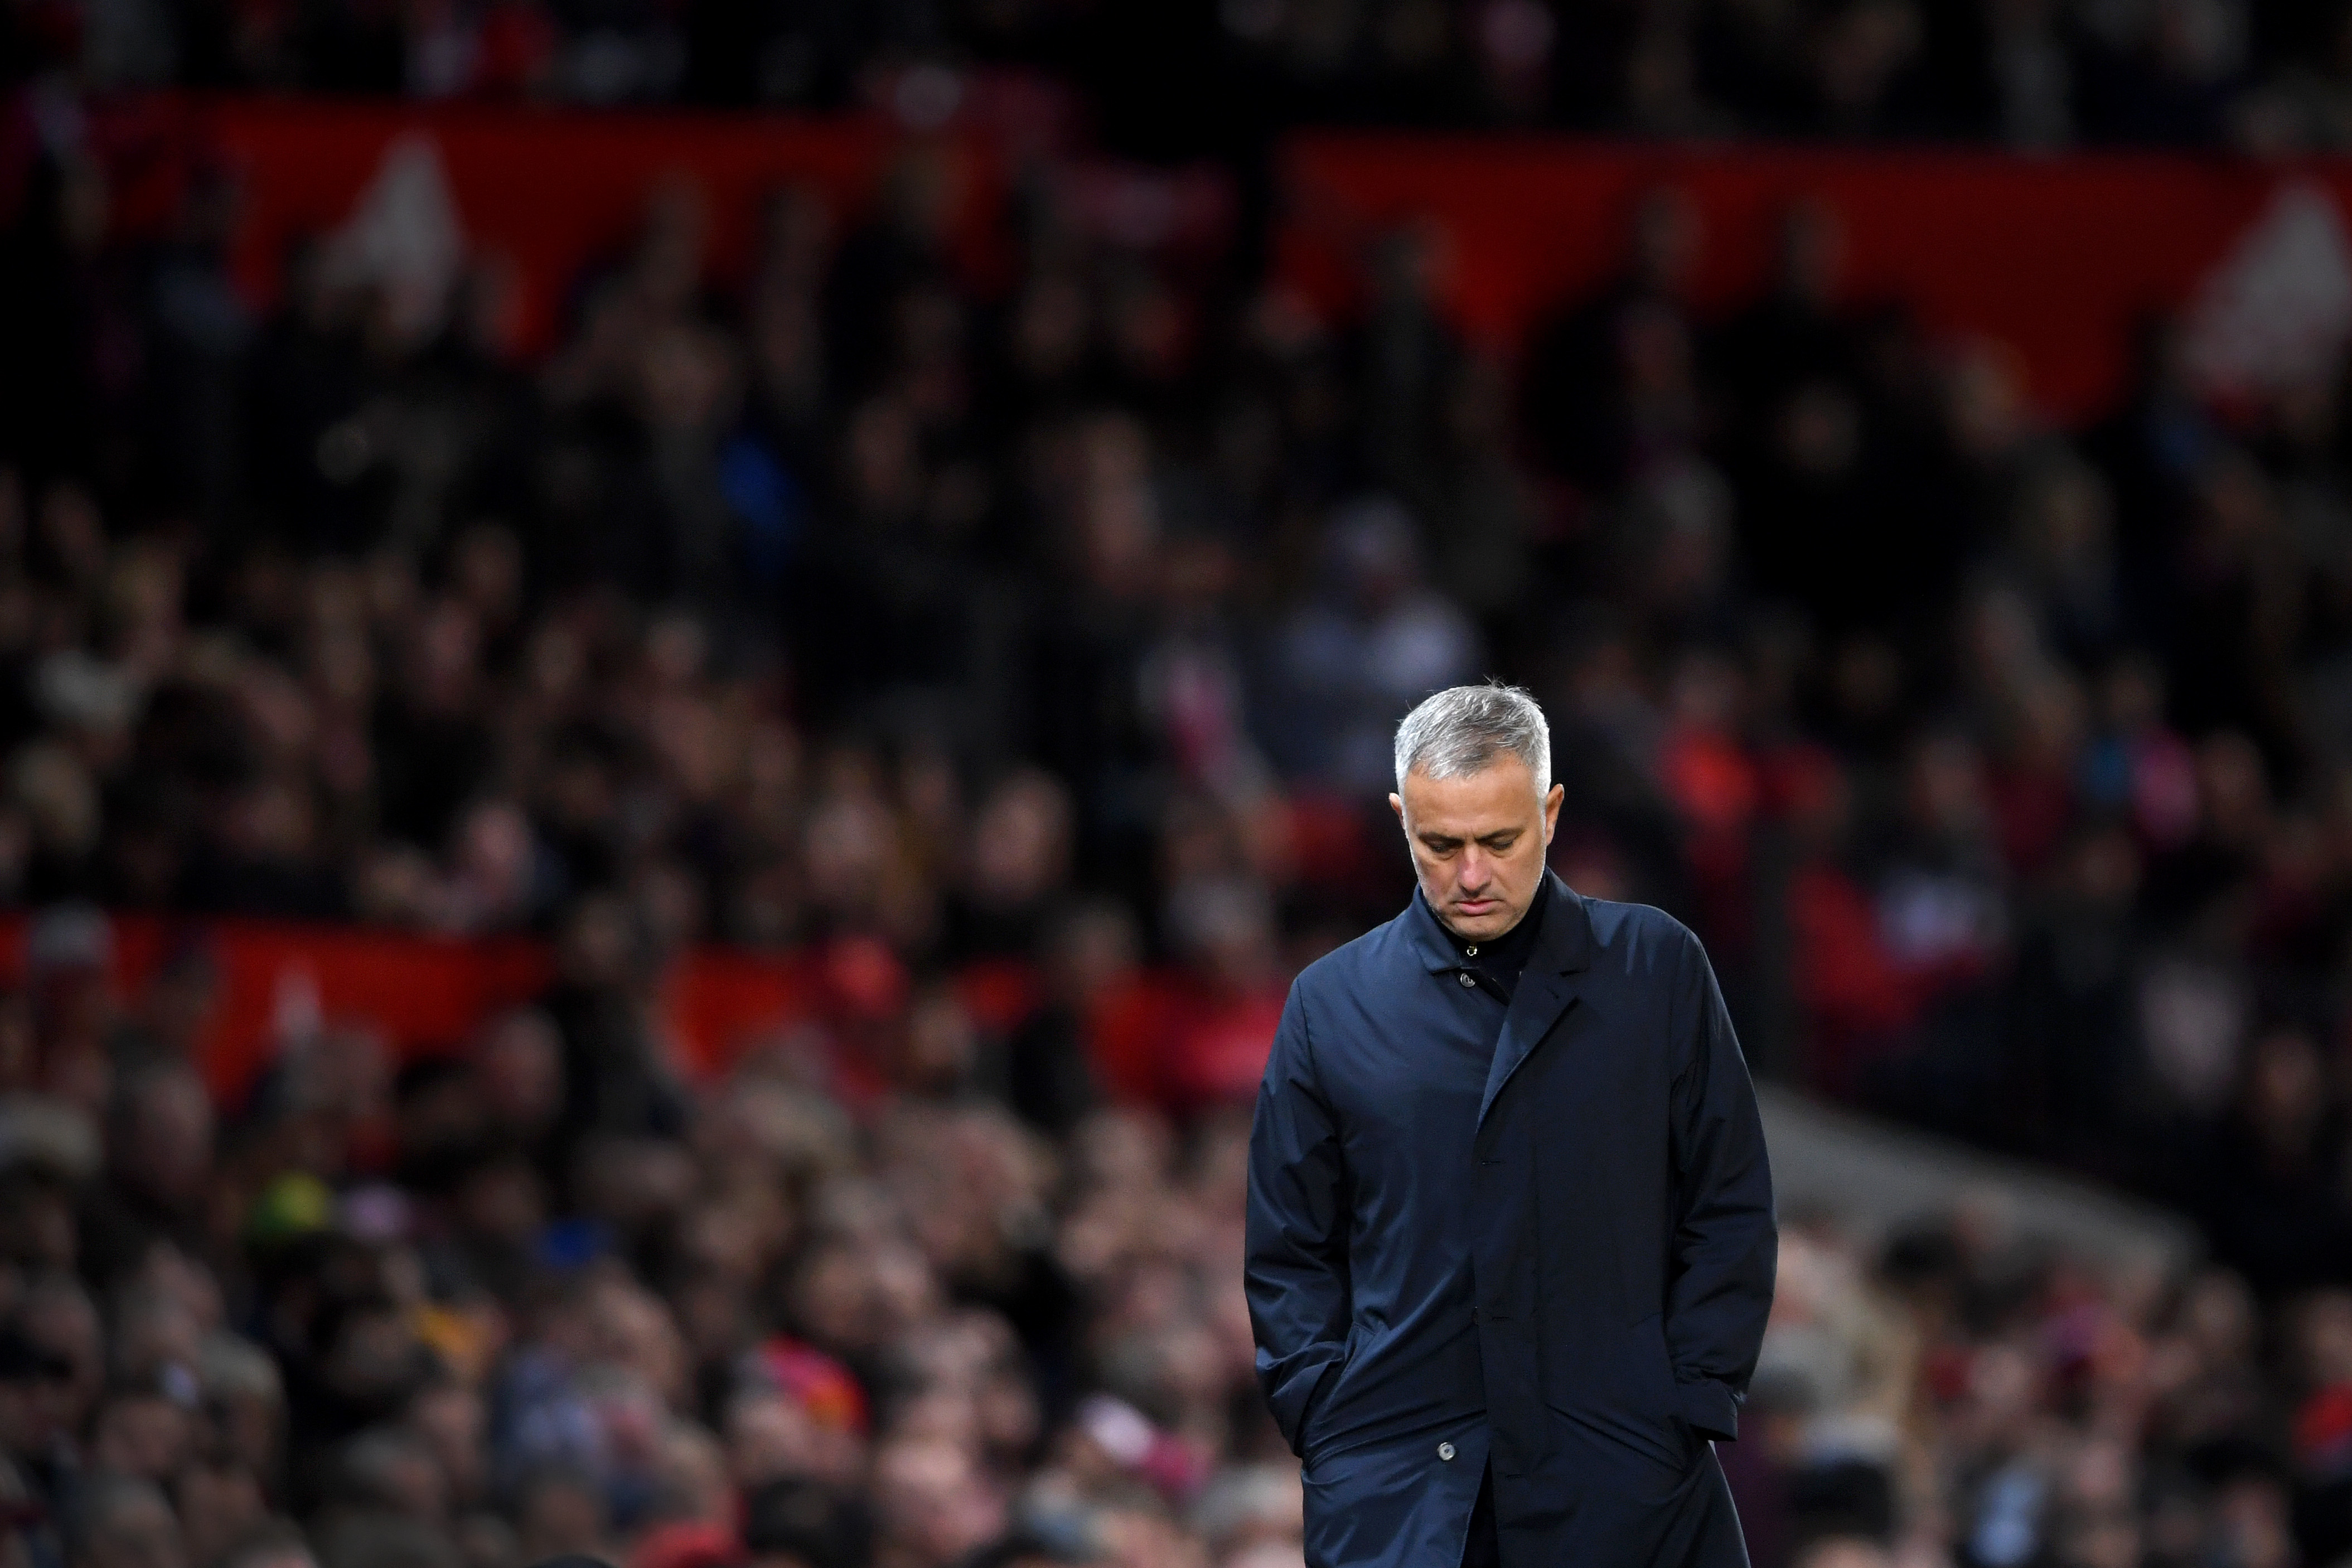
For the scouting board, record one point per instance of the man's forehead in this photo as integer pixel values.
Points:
(1500, 795)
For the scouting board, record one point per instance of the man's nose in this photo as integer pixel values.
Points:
(1476, 869)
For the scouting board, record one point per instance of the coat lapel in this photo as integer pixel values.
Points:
(1546, 990)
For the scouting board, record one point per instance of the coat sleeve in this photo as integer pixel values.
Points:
(1726, 1244)
(1294, 1270)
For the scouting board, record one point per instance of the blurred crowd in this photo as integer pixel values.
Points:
(1053, 627)
(438, 1318)
(1200, 78)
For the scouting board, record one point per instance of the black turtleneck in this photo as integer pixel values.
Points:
(1497, 963)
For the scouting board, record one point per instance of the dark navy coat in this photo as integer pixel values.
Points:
(1552, 1248)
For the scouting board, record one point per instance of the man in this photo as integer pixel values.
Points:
(1511, 1241)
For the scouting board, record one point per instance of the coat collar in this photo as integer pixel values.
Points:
(1546, 987)
(1563, 946)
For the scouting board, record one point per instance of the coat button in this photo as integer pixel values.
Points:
(1446, 1450)
(1467, 980)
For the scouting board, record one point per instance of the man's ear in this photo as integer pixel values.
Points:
(1396, 804)
(1551, 809)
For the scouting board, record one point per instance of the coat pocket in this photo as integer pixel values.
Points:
(1650, 1333)
(1616, 1413)
(1321, 1402)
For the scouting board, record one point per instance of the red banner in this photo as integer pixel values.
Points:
(2055, 258)
(546, 192)
(422, 995)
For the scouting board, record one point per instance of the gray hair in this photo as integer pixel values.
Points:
(1457, 731)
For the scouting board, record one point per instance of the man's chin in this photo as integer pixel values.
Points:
(1482, 926)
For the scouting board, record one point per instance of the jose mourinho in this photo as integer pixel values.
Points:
(1511, 1240)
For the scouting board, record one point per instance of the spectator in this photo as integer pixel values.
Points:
(122, 1522)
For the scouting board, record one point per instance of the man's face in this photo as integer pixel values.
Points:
(1478, 844)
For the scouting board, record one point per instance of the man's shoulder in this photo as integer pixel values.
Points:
(1638, 938)
(1346, 965)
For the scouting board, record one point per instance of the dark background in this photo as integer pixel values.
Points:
(989, 617)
